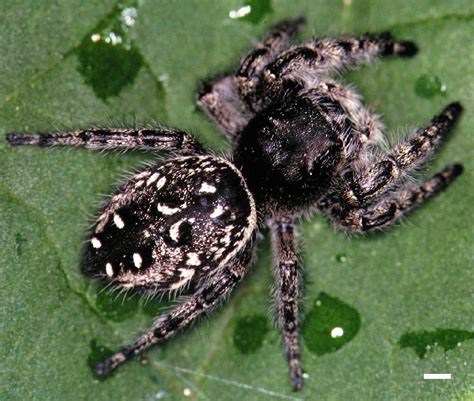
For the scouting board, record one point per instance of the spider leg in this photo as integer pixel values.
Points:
(333, 54)
(252, 65)
(392, 205)
(207, 297)
(219, 97)
(306, 62)
(364, 186)
(220, 101)
(288, 292)
(115, 138)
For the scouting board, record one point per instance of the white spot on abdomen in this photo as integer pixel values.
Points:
(118, 221)
(207, 188)
(142, 175)
(96, 243)
(174, 231)
(109, 270)
(166, 209)
(185, 275)
(137, 260)
(217, 212)
(193, 259)
(152, 179)
(161, 182)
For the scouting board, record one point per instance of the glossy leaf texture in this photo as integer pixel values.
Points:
(57, 72)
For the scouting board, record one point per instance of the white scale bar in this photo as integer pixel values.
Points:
(437, 376)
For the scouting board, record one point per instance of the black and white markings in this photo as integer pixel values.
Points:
(137, 260)
(95, 243)
(109, 269)
(118, 221)
(193, 259)
(302, 141)
(172, 224)
(207, 188)
(217, 212)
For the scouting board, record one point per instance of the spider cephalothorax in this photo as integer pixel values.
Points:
(301, 142)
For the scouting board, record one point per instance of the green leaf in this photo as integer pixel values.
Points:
(415, 278)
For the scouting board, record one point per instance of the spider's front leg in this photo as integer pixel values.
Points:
(252, 66)
(306, 62)
(391, 206)
(288, 292)
(115, 138)
(363, 187)
(212, 292)
(220, 98)
(332, 54)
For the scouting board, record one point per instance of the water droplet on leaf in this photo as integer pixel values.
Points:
(249, 333)
(108, 58)
(98, 354)
(424, 341)
(341, 258)
(330, 324)
(428, 86)
(252, 11)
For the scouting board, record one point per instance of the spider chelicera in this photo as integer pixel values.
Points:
(302, 143)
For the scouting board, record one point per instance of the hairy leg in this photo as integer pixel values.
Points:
(287, 293)
(115, 138)
(208, 297)
(365, 186)
(252, 65)
(317, 57)
(392, 205)
(220, 101)
(332, 54)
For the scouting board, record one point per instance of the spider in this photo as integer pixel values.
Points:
(302, 143)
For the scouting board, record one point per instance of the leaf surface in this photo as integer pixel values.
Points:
(417, 277)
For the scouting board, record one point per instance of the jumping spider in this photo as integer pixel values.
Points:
(302, 142)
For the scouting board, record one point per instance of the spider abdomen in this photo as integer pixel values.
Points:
(171, 224)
